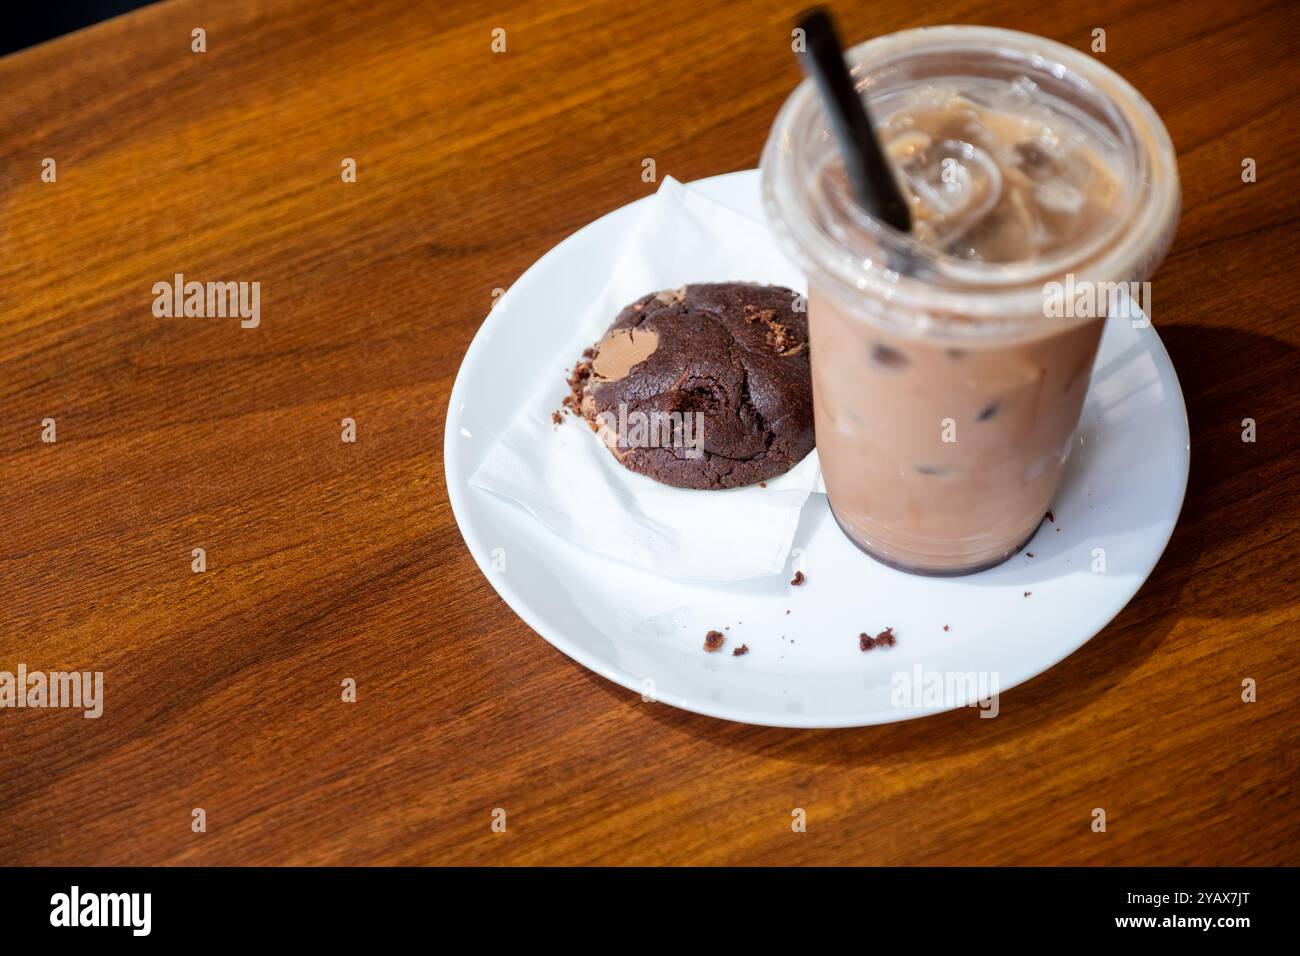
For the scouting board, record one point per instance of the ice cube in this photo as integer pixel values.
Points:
(953, 185)
(1058, 196)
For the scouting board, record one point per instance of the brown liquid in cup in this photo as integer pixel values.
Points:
(943, 458)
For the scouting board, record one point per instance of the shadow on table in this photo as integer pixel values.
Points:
(1240, 497)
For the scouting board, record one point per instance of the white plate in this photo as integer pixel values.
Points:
(1122, 495)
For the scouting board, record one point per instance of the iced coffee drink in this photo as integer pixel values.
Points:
(945, 397)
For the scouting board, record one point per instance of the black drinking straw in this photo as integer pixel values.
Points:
(869, 172)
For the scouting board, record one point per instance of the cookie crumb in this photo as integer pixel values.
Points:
(762, 484)
(798, 580)
(1051, 517)
(577, 380)
(713, 641)
(1029, 554)
(885, 638)
(945, 627)
(742, 649)
(557, 418)
(1027, 593)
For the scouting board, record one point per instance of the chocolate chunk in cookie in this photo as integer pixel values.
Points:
(707, 386)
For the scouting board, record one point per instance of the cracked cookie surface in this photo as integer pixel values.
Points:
(707, 386)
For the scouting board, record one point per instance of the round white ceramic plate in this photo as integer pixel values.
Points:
(1114, 516)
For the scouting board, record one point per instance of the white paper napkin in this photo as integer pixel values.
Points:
(571, 483)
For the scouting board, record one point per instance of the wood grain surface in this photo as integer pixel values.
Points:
(328, 560)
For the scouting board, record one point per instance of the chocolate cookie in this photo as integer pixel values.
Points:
(707, 386)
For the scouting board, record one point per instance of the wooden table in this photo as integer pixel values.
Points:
(328, 560)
